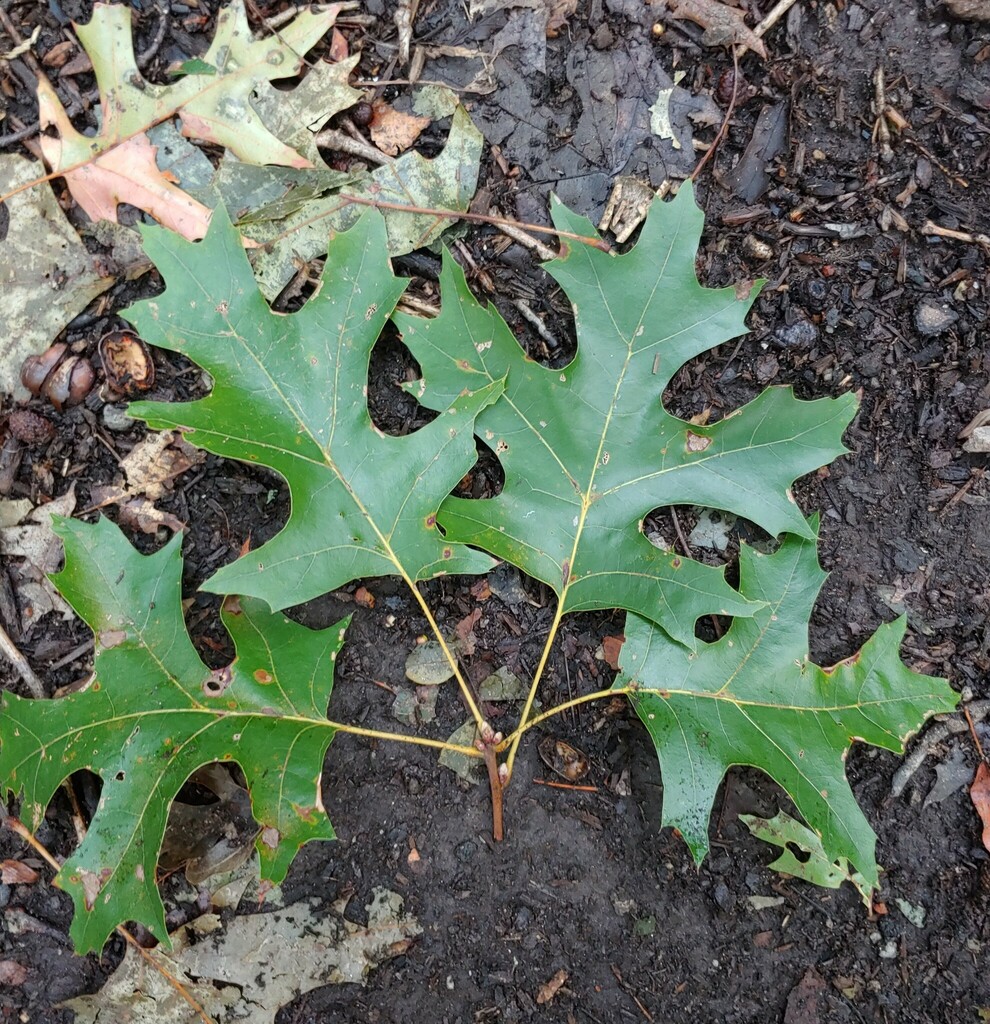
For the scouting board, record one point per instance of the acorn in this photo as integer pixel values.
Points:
(35, 369)
(362, 114)
(126, 362)
(64, 381)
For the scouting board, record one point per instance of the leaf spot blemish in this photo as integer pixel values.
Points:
(697, 442)
(448, 553)
(371, 311)
(218, 681)
(222, 307)
(483, 345)
(431, 521)
(605, 457)
(463, 364)
(112, 638)
(263, 676)
(501, 447)
(270, 837)
(563, 378)
(489, 435)
(675, 563)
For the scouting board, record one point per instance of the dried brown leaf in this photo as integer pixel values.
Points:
(723, 25)
(394, 132)
(979, 793)
(551, 988)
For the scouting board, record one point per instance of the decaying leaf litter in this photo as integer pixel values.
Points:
(548, 975)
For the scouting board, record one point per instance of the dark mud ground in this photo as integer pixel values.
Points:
(579, 870)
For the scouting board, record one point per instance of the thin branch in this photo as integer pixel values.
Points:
(15, 825)
(475, 218)
(24, 670)
(725, 121)
(526, 724)
(398, 737)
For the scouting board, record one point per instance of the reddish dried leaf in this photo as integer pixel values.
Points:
(126, 174)
(364, 597)
(804, 1003)
(338, 46)
(979, 793)
(465, 631)
(611, 646)
(13, 872)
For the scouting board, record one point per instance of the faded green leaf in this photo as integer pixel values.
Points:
(296, 116)
(213, 100)
(814, 866)
(250, 968)
(291, 394)
(756, 698)
(446, 182)
(588, 451)
(155, 714)
(214, 105)
(48, 276)
(427, 665)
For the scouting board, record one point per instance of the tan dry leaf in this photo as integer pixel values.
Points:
(723, 25)
(551, 988)
(39, 552)
(126, 174)
(149, 469)
(14, 872)
(393, 132)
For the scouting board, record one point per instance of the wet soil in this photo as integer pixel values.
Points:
(858, 298)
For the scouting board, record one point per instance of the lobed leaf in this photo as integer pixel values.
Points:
(291, 393)
(755, 698)
(588, 451)
(155, 713)
(213, 101)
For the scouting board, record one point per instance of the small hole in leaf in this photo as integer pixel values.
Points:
(799, 855)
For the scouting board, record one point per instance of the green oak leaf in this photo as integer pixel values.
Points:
(755, 698)
(790, 835)
(588, 451)
(290, 393)
(155, 713)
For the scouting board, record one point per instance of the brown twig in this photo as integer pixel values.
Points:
(15, 825)
(779, 10)
(474, 218)
(973, 733)
(725, 121)
(565, 785)
(977, 473)
(495, 784)
(24, 670)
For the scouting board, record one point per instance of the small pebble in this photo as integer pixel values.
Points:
(799, 335)
(465, 852)
(933, 319)
(115, 418)
(523, 919)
